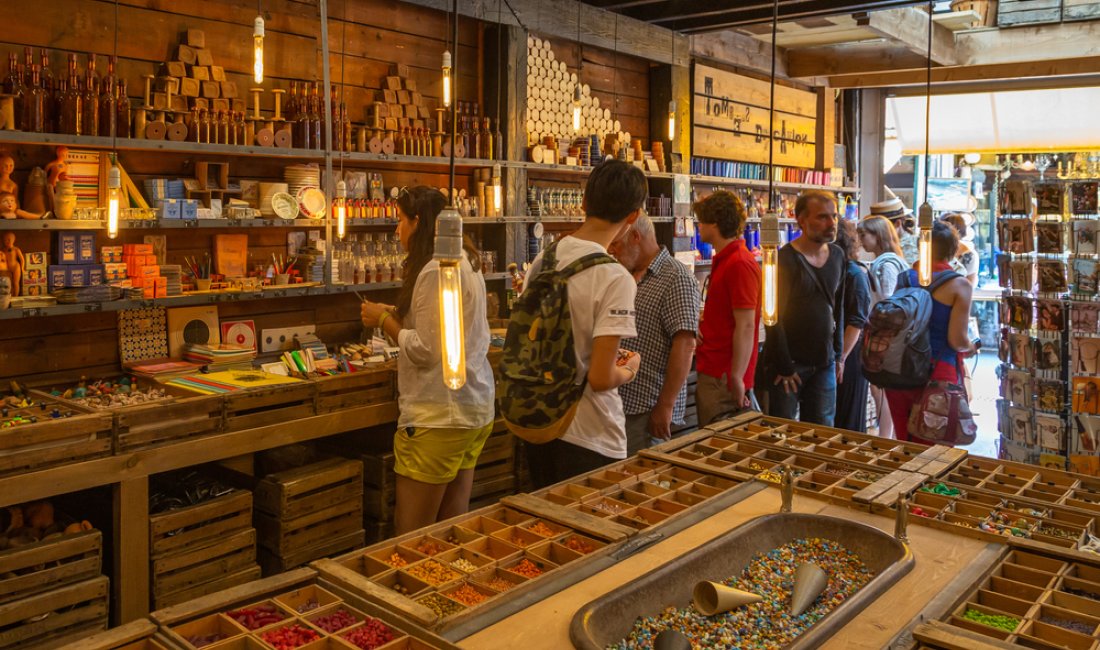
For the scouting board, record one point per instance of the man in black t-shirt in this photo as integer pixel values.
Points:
(803, 349)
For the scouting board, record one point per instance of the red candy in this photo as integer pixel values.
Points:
(253, 618)
(289, 637)
(372, 634)
(337, 620)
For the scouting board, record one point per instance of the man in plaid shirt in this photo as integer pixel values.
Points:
(667, 317)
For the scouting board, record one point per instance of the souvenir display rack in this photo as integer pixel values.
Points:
(1050, 334)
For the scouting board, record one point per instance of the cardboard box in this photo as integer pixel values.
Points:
(169, 208)
(110, 254)
(76, 276)
(138, 249)
(149, 271)
(96, 275)
(58, 277)
(189, 209)
(66, 247)
(113, 271)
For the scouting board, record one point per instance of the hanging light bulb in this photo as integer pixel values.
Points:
(577, 107)
(448, 251)
(972, 158)
(114, 187)
(447, 79)
(671, 120)
(924, 249)
(769, 242)
(341, 209)
(498, 190)
(258, 50)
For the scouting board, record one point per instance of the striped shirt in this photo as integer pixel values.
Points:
(667, 303)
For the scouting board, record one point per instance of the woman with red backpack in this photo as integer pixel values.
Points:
(947, 328)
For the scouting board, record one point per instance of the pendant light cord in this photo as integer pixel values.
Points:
(500, 64)
(454, 100)
(928, 105)
(771, 111)
(114, 131)
(343, 88)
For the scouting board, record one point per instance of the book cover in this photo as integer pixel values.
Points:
(1051, 315)
(1084, 236)
(1085, 317)
(1048, 198)
(231, 255)
(1048, 235)
(1083, 197)
(1052, 276)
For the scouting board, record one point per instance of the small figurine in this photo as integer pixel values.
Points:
(7, 166)
(58, 169)
(13, 258)
(9, 208)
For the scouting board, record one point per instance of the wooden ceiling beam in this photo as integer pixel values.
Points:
(598, 27)
(850, 58)
(700, 16)
(738, 50)
(908, 27)
(1066, 68)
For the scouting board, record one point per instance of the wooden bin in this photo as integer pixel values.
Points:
(45, 565)
(1028, 12)
(202, 548)
(379, 485)
(309, 512)
(351, 390)
(257, 407)
(30, 447)
(187, 415)
(136, 635)
(281, 589)
(51, 618)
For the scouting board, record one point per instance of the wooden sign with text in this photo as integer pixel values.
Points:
(730, 120)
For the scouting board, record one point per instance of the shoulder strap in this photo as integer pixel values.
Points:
(815, 277)
(549, 256)
(944, 278)
(586, 262)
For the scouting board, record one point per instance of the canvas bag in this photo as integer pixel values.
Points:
(942, 415)
(537, 392)
(896, 352)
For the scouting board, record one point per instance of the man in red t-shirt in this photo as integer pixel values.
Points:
(729, 328)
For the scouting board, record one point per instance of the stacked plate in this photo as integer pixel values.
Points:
(298, 177)
(171, 273)
(267, 191)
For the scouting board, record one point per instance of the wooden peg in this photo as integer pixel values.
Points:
(901, 523)
(139, 122)
(148, 89)
(786, 487)
(256, 92)
(278, 92)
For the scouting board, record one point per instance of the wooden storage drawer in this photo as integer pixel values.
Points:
(45, 565)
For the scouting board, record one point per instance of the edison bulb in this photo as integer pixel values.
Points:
(258, 50)
(450, 321)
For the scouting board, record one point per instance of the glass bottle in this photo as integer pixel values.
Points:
(49, 87)
(108, 113)
(13, 85)
(72, 100)
(486, 139)
(34, 104)
(474, 150)
(89, 123)
(122, 108)
(195, 132)
(316, 116)
(302, 130)
(28, 66)
(291, 109)
(498, 143)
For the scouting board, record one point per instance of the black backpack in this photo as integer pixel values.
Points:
(897, 352)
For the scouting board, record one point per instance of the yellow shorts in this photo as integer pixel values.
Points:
(437, 455)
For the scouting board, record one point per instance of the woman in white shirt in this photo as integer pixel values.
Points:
(879, 238)
(440, 432)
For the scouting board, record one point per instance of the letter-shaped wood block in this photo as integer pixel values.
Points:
(204, 57)
(189, 87)
(196, 38)
(217, 73)
(200, 72)
(211, 89)
(187, 55)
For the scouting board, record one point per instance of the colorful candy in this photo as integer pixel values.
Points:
(527, 568)
(335, 621)
(440, 605)
(468, 596)
(766, 625)
(578, 544)
(289, 637)
(433, 572)
(1001, 622)
(1069, 624)
(370, 635)
(942, 489)
(462, 564)
(541, 529)
(253, 618)
(428, 547)
(396, 560)
(500, 584)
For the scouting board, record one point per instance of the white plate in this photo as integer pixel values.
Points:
(284, 205)
(312, 202)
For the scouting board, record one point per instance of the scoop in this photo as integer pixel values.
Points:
(671, 640)
(712, 598)
(809, 581)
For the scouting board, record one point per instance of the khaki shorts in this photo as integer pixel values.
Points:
(437, 455)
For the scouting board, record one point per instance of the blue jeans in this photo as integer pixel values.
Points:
(815, 400)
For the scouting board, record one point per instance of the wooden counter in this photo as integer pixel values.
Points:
(941, 558)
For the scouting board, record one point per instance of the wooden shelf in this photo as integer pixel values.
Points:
(165, 146)
(763, 184)
(52, 224)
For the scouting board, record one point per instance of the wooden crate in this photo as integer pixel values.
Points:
(221, 583)
(47, 443)
(285, 537)
(184, 529)
(299, 491)
(45, 565)
(379, 485)
(273, 564)
(1080, 10)
(186, 416)
(257, 407)
(55, 617)
(135, 635)
(1028, 12)
(351, 390)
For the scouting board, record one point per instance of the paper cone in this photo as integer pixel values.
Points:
(712, 598)
(671, 640)
(809, 582)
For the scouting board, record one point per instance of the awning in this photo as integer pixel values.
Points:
(1017, 121)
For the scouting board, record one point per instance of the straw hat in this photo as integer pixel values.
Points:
(891, 208)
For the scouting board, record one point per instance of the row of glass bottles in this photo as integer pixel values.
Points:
(554, 202)
(368, 257)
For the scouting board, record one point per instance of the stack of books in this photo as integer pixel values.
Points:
(161, 370)
(221, 357)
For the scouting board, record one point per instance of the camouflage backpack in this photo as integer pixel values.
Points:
(537, 392)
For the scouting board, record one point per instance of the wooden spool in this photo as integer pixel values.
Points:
(375, 145)
(283, 138)
(155, 130)
(265, 137)
(177, 131)
(388, 145)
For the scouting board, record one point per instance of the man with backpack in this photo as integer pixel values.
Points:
(562, 363)
(803, 350)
